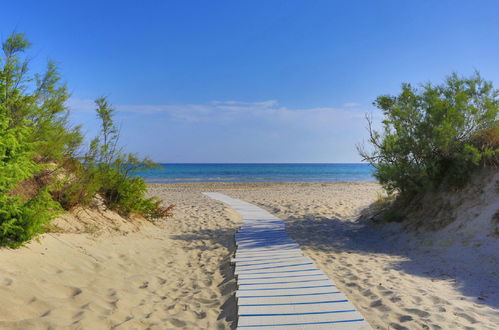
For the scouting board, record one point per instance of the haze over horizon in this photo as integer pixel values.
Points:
(251, 82)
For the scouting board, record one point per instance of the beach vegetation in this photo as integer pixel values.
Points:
(42, 172)
(434, 135)
(111, 170)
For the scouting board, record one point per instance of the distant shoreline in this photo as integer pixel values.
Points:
(181, 181)
(245, 183)
(254, 172)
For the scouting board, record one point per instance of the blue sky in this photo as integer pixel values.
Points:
(251, 81)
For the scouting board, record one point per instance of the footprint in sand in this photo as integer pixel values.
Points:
(177, 323)
(417, 312)
(468, 318)
(47, 313)
(200, 315)
(79, 315)
(405, 318)
(397, 326)
(386, 292)
(368, 293)
(111, 293)
(76, 292)
(352, 284)
(378, 304)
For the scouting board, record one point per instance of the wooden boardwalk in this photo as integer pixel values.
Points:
(279, 287)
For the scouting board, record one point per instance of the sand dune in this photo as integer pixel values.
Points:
(177, 274)
(394, 279)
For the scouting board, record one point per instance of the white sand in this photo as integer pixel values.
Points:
(172, 276)
(177, 275)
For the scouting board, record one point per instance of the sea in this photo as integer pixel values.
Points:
(182, 173)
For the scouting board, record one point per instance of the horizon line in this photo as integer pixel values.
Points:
(261, 163)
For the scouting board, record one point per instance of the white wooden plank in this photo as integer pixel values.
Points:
(339, 304)
(274, 230)
(262, 238)
(264, 241)
(253, 243)
(277, 266)
(290, 300)
(313, 326)
(265, 259)
(260, 255)
(347, 316)
(271, 261)
(284, 284)
(283, 275)
(299, 290)
(296, 279)
(262, 245)
(262, 235)
(279, 288)
(281, 270)
(292, 254)
(267, 251)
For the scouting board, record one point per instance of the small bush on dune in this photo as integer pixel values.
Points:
(434, 134)
(25, 220)
(106, 170)
(487, 140)
(77, 187)
(36, 142)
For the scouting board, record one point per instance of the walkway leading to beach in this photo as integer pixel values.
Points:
(278, 287)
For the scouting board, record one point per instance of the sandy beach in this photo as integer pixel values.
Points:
(176, 274)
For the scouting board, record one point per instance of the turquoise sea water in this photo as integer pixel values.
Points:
(181, 173)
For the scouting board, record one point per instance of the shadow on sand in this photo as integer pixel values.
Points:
(333, 235)
(364, 237)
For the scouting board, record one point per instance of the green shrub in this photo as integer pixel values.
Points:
(36, 141)
(106, 170)
(22, 221)
(77, 187)
(434, 134)
(126, 195)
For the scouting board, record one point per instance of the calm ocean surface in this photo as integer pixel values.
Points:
(180, 173)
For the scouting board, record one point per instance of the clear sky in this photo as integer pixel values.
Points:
(251, 81)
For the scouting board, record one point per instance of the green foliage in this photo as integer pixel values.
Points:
(36, 139)
(20, 221)
(122, 192)
(78, 187)
(434, 133)
(36, 101)
(108, 171)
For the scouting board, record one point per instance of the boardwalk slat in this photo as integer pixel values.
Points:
(265, 259)
(279, 288)
(348, 316)
(272, 261)
(298, 291)
(319, 307)
(248, 281)
(249, 257)
(284, 284)
(291, 300)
